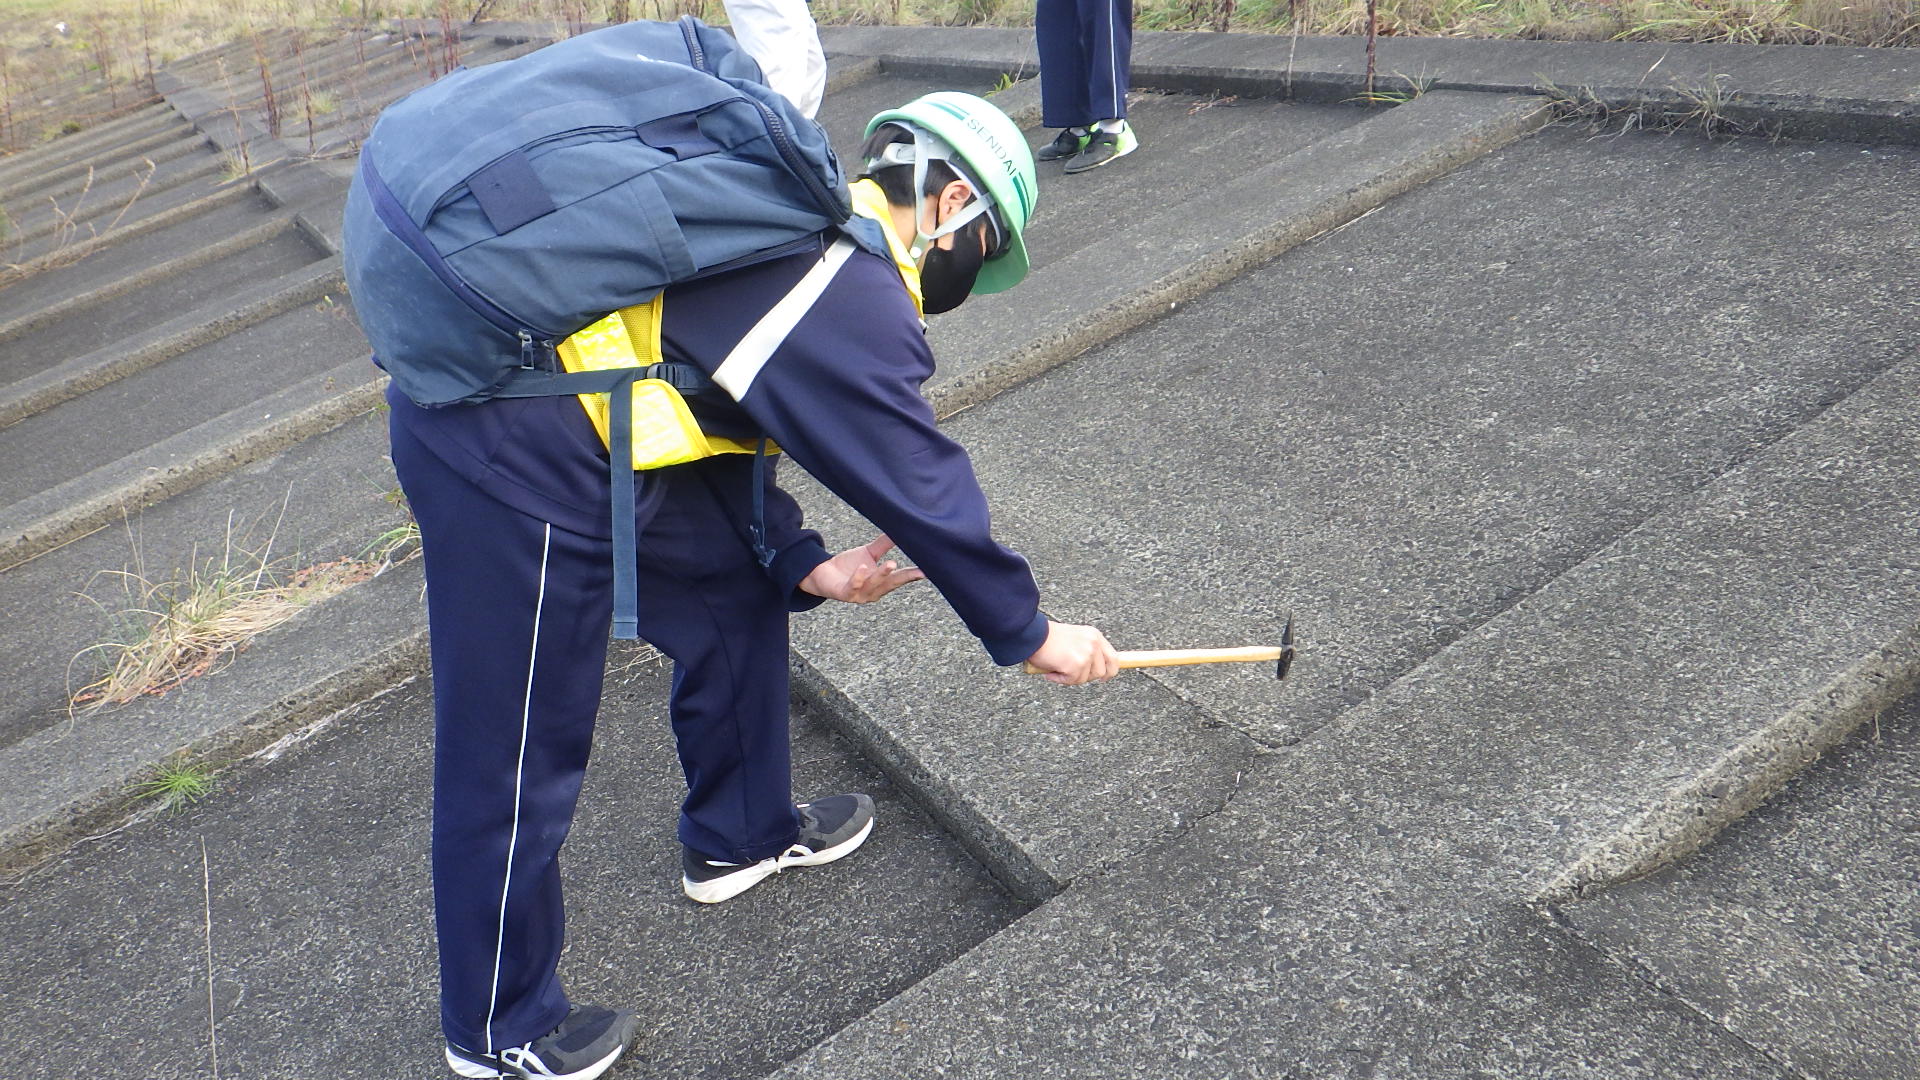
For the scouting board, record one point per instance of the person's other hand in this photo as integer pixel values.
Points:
(1072, 655)
(856, 575)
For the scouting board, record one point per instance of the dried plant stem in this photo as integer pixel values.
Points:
(206, 895)
(1373, 33)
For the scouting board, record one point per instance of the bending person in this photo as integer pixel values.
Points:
(823, 351)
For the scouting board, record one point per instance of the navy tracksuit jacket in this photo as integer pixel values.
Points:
(512, 501)
(1086, 59)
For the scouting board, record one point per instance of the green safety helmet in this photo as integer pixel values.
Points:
(989, 151)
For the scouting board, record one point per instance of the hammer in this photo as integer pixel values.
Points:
(1281, 654)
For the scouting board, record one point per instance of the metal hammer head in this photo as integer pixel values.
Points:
(1285, 662)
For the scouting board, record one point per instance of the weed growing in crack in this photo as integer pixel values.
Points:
(176, 785)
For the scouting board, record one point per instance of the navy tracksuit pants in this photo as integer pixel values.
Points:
(1086, 58)
(518, 611)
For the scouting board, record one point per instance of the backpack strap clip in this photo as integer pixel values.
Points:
(688, 379)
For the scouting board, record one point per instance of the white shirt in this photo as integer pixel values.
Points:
(782, 39)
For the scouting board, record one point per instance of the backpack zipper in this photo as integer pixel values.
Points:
(776, 129)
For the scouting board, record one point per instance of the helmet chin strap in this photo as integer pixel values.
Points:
(922, 239)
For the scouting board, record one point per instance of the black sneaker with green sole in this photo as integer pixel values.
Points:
(1069, 142)
(1103, 147)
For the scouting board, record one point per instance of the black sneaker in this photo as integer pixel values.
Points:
(581, 1048)
(830, 829)
(1069, 142)
(1104, 146)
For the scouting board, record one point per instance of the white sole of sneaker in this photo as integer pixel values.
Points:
(481, 1072)
(467, 1068)
(726, 888)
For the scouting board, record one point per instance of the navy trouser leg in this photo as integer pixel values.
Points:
(706, 603)
(518, 614)
(518, 611)
(1086, 60)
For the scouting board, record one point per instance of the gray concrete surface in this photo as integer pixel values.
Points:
(323, 499)
(1799, 928)
(121, 204)
(1143, 269)
(134, 412)
(1367, 892)
(314, 907)
(98, 141)
(1219, 144)
(115, 193)
(24, 302)
(81, 329)
(1642, 409)
(1450, 405)
(1802, 91)
(129, 159)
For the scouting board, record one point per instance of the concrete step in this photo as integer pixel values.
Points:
(1795, 928)
(1306, 452)
(101, 171)
(50, 115)
(61, 149)
(1370, 893)
(128, 188)
(1547, 464)
(319, 499)
(35, 388)
(23, 177)
(1218, 145)
(96, 320)
(128, 262)
(166, 427)
(316, 879)
(125, 203)
(1800, 91)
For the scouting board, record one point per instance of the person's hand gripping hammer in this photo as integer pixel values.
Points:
(1073, 655)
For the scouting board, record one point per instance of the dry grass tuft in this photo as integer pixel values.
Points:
(183, 628)
(176, 629)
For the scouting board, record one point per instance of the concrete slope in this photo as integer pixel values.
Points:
(1395, 433)
(1796, 90)
(1218, 145)
(1796, 928)
(1548, 442)
(314, 904)
(137, 262)
(1365, 895)
(64, 151)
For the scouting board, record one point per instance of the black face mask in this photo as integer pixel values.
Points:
(947, 276)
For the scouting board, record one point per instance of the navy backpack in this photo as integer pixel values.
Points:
(502, 208)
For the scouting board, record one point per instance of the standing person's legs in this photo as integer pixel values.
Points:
(1086, 60)
(1086, 64)
(518, 613)
(1109, 45)
(706, 603)
(1064, 74)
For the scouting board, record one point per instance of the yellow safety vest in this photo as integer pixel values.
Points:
(664, 430)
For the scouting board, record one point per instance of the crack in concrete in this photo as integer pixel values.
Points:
(1639, 972)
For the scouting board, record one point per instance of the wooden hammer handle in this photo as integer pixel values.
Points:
(1138, 658)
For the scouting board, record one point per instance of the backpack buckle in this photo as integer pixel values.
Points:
(686, 379)
(528, 347)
